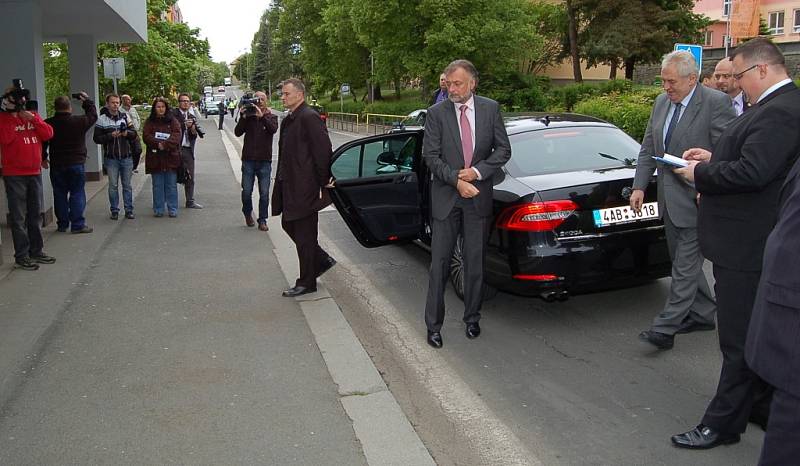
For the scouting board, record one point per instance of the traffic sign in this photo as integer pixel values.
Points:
(696, 51)
(345, 89)
(114, 68)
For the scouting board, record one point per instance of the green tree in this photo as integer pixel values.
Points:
(56, 72)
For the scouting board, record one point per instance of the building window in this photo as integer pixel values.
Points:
(776, 22)
(726, 7)
(796, 21)
(710, 38)
(726, 40)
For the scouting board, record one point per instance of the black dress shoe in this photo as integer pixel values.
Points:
(658, 339)
(326, 265)
(702, 438)
(435, 339)
(689, 326)
(759, 419)
(298, 291)
(473, 330)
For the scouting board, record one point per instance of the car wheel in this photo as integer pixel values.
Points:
(457, 273)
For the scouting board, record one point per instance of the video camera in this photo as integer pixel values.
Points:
(248, 104)
(19, 95)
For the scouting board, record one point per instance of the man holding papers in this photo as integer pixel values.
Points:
(740, 186)
(686, 115)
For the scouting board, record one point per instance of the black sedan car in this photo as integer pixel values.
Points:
(561, 218)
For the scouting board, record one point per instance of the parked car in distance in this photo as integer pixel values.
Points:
(320, 110)
(561, 221)
(211, 107)
(221, 89)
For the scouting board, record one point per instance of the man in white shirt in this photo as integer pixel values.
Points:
(189, 133)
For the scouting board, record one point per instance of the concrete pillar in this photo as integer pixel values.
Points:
(21, 57)
(82, 53)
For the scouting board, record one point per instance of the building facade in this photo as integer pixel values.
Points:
(782, 18)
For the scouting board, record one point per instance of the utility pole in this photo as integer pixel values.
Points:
(371, 78)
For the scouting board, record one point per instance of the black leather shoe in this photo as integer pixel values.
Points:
(702, 438)
(298, 291)
(473, 330)
(658, 339)
(326, 265)
(689, 326)
(435, 339)
(759, 419)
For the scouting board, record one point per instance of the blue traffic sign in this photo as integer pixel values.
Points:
(696, 50)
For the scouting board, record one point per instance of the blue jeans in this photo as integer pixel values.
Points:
(69, 196)
(165, 190)
(250, 170)
(120, 169)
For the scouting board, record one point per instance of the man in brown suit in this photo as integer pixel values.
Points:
(304, 159)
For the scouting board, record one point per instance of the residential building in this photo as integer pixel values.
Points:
(781, 16)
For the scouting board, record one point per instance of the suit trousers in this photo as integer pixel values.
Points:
(740, 391)
(782, 441)
(464, 220)
(310, 255)
(689, 293)
(187, 159)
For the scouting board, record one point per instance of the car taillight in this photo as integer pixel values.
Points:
(536, 278)
(536, 216)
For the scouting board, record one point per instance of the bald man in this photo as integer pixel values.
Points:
(723, 81)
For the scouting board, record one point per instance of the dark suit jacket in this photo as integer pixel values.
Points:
(701, 125)
(739, 187)
(444, 157)
(192, 137)
(773, 341)
(304, 165)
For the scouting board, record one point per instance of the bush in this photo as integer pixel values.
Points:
(568, 96)
(519, 93)
(630, 112)
(397, 107)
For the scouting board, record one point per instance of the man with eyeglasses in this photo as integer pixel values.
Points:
(723, 81)
(189, 133)
(739, 188)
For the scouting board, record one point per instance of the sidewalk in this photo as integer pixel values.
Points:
(166, 341)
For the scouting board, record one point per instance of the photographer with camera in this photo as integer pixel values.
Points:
(21, 135)
(136, 122)
(189, 133)
(67, 156)
(258, 124)
(115, 132)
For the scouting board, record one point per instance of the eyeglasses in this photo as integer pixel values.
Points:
(738, 76)
(184, 101)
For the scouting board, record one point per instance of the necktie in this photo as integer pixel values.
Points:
(466, 137)
(672, 124)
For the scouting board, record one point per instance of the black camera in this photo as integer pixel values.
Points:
(19, 95)
(248, 104)
(123, 126)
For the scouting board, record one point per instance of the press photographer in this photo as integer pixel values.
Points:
(67, 156)
(21, 135)
(258, 124)
(189, 133)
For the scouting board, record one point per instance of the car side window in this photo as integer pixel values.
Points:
(383, 157)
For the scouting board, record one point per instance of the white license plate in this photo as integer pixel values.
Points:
(624, 214)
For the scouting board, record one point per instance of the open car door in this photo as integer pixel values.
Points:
(377, 190)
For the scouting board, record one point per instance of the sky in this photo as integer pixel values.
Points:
(228, 25)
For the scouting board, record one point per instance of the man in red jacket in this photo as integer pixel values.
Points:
(21, 135)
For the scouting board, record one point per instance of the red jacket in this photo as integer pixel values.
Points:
(21, 144)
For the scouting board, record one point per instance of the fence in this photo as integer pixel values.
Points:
(343, 121)
(379, 123)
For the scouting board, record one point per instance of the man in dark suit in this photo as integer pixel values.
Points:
(301, 182)
(465, 145)
(440, 94)
(739, 188)
(189, 133)
(686, 115)
(773, 346)
(724, 82)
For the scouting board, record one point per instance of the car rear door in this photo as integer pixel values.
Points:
(377, 189)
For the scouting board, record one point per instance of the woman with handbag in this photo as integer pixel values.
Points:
(162, 136)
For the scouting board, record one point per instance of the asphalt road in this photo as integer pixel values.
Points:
(569, 380)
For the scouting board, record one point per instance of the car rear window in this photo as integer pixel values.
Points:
(566, 149)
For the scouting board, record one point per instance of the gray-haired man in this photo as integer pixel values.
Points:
(686, 115)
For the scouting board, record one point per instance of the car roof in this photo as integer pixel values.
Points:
(520, 123)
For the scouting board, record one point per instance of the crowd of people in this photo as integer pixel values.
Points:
(733, 201)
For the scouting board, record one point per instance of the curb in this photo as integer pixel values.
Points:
(385, 433)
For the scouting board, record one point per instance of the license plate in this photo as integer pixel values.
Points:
(624, 214)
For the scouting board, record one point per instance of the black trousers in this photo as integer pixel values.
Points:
(187, 159)
(310, 255)
(740, 391)
(24, 212)
(782, 442)
(463, 219)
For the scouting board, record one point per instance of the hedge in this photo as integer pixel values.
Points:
(630, 111)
